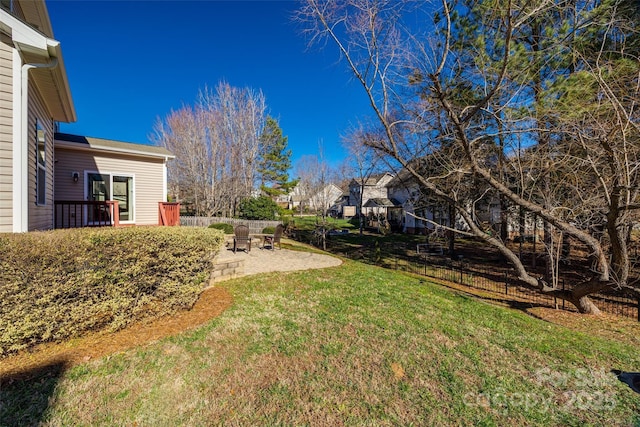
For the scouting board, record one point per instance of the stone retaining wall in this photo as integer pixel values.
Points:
(225, 269)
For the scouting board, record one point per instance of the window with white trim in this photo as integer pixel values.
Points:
(41, 165)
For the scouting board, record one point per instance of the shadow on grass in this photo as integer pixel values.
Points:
(491, 297)
(25, 396)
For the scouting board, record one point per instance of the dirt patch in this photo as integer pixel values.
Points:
(211, 303)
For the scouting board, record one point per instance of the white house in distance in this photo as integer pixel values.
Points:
(324, 198)
(36, 169)
(373, 190)
(415, 215)
(374, 187)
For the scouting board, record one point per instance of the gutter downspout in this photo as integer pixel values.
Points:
(164, 179)
(23, 146)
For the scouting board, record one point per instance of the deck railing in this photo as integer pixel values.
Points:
(85, 213)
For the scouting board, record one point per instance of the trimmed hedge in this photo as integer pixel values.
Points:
(268, 230)
(60, 284)
(226, 228)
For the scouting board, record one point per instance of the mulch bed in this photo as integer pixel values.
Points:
(46, 357)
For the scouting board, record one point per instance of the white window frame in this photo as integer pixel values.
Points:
(41, 166)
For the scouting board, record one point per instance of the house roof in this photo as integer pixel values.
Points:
(382, 202)
(402, 178)
(77, 142)
(372, 180)
(33, 38)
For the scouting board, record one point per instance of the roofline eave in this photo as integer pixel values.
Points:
(58, 143)
(28, 40)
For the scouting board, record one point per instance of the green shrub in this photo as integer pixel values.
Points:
(226, 228)
(259, 208)
(268, 230)
(354, 221)
(59, 284)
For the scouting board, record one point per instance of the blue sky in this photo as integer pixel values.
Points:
(130, 62)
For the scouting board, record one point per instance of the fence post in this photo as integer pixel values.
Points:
(506, 282)
(563, 297)
(638, 298)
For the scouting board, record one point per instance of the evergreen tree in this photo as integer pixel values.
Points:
(275, 161)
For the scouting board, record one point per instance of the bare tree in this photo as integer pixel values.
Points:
(364, 161)
(315, 179)
(462, 85)
(239, 117)
(183, 133)
(217, 144)
(314, 175)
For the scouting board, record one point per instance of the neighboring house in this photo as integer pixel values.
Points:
(326, 198)
(374, 187)
(337, 210)
(296, 197)
(383, 207)
(418, 214)
(35, 169)
(400, 200)
(282, 200)
(93, 169)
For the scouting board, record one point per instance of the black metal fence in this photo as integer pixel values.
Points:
(501, 282)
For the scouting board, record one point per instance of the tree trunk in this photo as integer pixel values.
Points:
(535, 239)
(451, 234)
(579, 295)
(585, 305)
(360, 206)
(522, 231)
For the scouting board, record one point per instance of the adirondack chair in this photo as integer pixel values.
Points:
(241, 240)
(271, 239)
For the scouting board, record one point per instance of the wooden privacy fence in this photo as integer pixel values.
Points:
(168, 213)
(255, 226)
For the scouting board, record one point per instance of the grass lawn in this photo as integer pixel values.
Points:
(350, 345)
(309, 222)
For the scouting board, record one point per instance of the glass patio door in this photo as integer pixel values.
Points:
(98, 190)
(103, 187)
